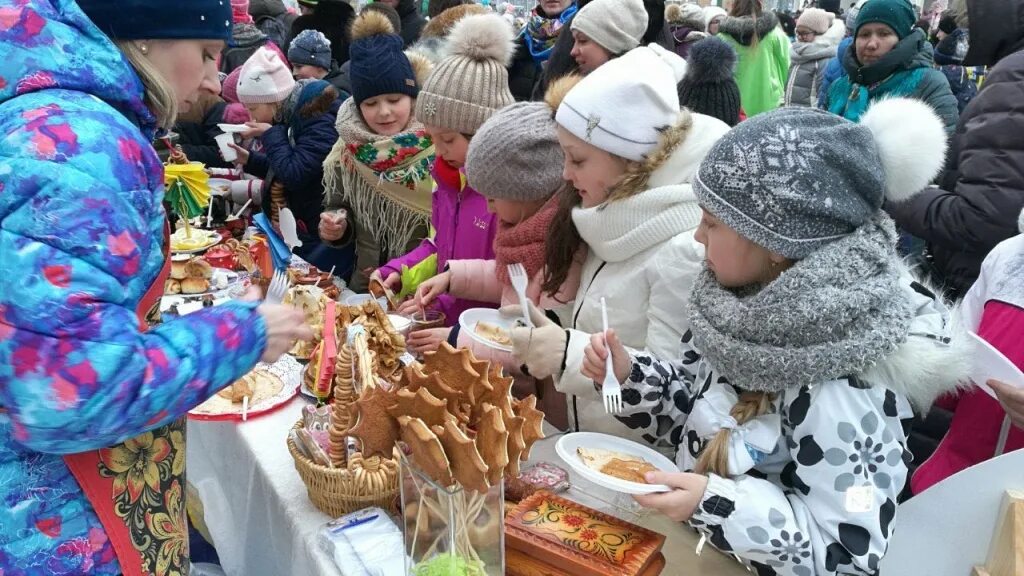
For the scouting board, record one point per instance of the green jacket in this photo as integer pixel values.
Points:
(762, 67)
(905, 71)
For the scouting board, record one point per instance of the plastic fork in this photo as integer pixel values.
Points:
(278, 288)
(517, 274)
(611, 390)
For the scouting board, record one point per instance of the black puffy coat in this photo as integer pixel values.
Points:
(981, 193)
(412, 22)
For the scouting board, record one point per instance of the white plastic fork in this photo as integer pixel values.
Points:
(278, 288)
(611, 390)
(517, 274)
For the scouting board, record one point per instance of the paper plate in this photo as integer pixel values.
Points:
(469, 319)
(209, 237)
(990, 364)
(287, 370)
(232, 128)
(566, 449)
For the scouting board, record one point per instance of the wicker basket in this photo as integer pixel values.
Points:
(338, 491)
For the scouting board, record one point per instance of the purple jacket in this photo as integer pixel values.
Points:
(463, 230)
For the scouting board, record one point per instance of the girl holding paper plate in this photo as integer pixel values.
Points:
(92, 391)
(809, 342)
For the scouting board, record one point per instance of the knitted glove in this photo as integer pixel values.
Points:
(539, 350)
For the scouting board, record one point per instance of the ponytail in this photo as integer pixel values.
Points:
(715, 457)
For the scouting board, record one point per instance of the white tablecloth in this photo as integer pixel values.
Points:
(263, 523)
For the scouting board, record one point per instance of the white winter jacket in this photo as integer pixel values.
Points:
(642, 258)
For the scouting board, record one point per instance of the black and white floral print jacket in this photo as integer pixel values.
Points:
(813, 484)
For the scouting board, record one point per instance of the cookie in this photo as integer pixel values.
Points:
(533, 424)
(376, 429)
(467, 466)
(420, 404)
(453, 365)
(499, 395)
(516, 446)
(434, 383)
(492, 443)
(425, 450)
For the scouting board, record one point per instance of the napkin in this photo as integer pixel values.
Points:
(278, 250)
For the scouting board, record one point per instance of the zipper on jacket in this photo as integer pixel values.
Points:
(575, 319)
(455, 225)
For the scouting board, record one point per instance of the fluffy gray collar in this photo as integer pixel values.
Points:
(742, 29)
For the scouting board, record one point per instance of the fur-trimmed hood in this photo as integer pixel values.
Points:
(744, 28)
(936, 356)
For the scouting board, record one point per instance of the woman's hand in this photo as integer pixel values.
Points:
(427, 340)
(333, 225)
(284, 325)
(679, 504)
(1012, 399)
(408, 307)
(243, 155)
(596, 353)
(432, 288)
(256, 129)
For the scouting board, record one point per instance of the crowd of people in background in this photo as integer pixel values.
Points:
(793, 220)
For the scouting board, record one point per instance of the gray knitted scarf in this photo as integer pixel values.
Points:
(831, 315)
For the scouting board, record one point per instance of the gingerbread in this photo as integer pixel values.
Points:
(467, 466)
(492, 443)
(516, 446)
(377, 431)
(533, 424)
(425, 450)
(421, 404)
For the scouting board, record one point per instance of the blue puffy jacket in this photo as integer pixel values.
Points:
(81, 232)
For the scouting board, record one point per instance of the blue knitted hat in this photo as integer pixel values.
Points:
(311, 48)
(378, 64)
(149, 19)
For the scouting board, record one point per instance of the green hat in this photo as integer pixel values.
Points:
(896, 14)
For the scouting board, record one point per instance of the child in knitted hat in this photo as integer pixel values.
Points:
(606, 29)
(515, 162)
(709, 86)
(810, 342)
(686, 23)
(465, 89)
(294, 123)
(380, 165)
(809, 56)
(310, 55)
(631, 154)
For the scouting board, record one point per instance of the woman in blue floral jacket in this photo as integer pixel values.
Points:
(92, 393)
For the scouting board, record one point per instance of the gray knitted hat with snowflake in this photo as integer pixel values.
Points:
(796, 179)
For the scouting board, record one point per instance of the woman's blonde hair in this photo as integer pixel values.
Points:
(715, 457)
(158, 93)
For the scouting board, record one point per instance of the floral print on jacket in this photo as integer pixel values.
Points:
(81, 221)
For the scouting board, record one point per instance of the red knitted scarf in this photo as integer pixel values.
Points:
(523, 243)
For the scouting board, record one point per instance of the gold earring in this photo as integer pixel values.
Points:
(144, 49)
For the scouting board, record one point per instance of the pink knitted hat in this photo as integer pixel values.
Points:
(240, 12)
(229, 88)
(265, 79)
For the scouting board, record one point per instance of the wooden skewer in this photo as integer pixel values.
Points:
(242, 209)
(245, 408)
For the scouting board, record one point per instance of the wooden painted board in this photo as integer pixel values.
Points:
(580, 540)
(521, 564)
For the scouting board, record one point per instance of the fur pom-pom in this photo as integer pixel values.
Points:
(370, 23)
(711, 60)
(558, 89)
(421, 65)
(673, 13)
(911, 142)
(483, 37)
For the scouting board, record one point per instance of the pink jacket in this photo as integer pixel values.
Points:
(477, 279)
(993, 309)
(463, 229)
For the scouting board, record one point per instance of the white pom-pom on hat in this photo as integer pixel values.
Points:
(483, 37)
(911, 142)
